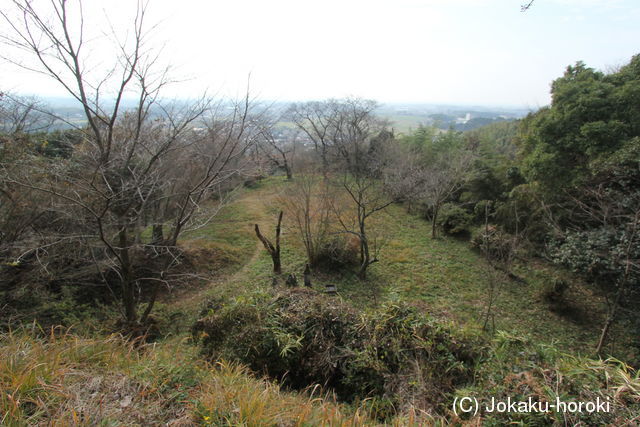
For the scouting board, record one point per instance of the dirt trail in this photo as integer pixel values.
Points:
(256, 203)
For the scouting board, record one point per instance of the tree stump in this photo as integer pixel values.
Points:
(292, 280)
(274, 250)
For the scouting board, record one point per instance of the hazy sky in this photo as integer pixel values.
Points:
(483, 52)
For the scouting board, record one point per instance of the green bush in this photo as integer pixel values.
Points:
(554, 290)
(519, 368)
(453, 219)
(393, 354)
(493, 242)
(339, 251)
(482, 209)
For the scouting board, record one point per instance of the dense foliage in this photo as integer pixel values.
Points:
(394, 354)
(593, 115)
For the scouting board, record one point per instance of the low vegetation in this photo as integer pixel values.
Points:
(196, 263)
(394, 356)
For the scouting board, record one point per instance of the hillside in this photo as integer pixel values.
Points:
(57, 376)
(282, 252)
(446, 275)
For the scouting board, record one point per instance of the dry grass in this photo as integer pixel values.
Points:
(59, 378)
(63, 379)
(235, 398)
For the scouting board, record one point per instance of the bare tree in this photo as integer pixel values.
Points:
(346, 134)
(23, 114)
(500, 251)
(367, 198)
(277, 149)
(308, 202)
(152, 162)
(216, 154)
(316, 120)
(403, 175)
(443, 178)
(354, 127)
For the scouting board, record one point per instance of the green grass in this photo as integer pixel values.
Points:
(66, 379)
(230, 229)
(452, 279)
(445, 275)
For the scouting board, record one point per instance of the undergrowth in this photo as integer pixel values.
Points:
(55, 377)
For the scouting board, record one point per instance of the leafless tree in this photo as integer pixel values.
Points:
(23, 114)
(500, 251)
(353, 128)
(307, 201)
(403, 175)
(367, 198)
(216, 154)
(154, 162)
(441, 179)
(316, 120)
(278, 150)
(349, 135)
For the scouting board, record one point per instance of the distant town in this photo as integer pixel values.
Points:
(404, 118)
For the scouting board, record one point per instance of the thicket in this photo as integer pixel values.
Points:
(395, 359)
(521, 369)
(561, 184)
(395, 355)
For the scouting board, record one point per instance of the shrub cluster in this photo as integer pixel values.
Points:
(519, 369)
(394, 355)
(454, 219)
(339, 251)
(495, 243)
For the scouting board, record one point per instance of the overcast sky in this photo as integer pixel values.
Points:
(482, 52)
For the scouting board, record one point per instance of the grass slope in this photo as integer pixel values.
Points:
(445, 274)
(59, 378)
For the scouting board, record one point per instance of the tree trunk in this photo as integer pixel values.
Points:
(434, 221)
(138, 230)
(611, 316)
(126, 270)
(325, 162)
(362, 273)
(277, 268)
(157, 235)
(150, 304)
(604, 334)
(287, 170)
(365, 257)
(307, 276)
(274, 251)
